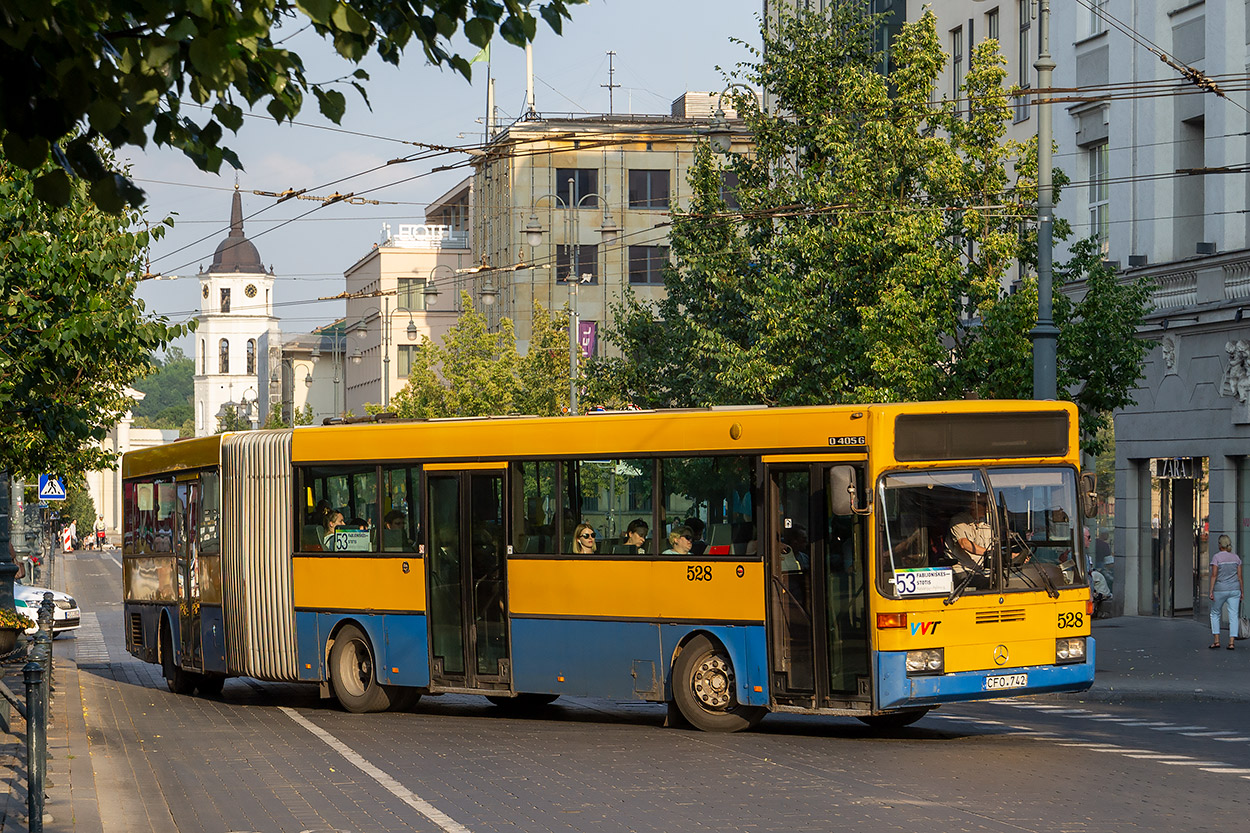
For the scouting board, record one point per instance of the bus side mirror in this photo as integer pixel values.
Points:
(842, 491)
(1089, 495)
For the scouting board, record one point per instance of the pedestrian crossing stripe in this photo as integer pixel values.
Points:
(51, 488)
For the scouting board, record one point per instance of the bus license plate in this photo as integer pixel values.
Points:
(1006, 681)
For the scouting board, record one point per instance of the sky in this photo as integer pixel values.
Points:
(663, 49)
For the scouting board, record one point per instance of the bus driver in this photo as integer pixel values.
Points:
(970, 538)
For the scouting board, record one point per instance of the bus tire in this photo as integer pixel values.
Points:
(403, 698)
(352, 673)
(894, 720)
(703, 689)
(180, 681)
(523, 702)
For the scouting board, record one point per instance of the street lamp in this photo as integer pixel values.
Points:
(534, 238)
(337, 333)
(362, 326)
(488, 293)
(1045, 335)
(719, 133)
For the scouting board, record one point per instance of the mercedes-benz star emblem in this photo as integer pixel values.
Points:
(1000, 655)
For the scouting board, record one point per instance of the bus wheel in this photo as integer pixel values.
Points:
(178, 680)
(352, 673)
(403, 698)
(703, 688)
(894, 720)
(523, 702)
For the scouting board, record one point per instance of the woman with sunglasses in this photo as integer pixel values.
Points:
(680, 541)
(584, 541)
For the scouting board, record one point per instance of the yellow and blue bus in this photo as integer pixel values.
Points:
(874, 561)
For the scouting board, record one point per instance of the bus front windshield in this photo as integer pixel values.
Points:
(960, 531)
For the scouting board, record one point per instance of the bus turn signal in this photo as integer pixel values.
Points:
(891, 620)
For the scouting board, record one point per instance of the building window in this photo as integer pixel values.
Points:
(648, 189)
(225, 300)
(1022, 73)
(991, 25)
(646, 264)
(957, 67)
(729, 189)
(585, 183)
(203, 357)
(407, 354)
(1099, 195)
(411, 294)
(223, 356)
(1097, 24)
(251, 356)
(587, 258)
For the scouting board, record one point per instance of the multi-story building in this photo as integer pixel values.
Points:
(237, 345)
(405, 289)
(598, 191)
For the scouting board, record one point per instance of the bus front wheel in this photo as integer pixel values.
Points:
(894, 720)
(352, 673)
(704, 689)
(179, 680)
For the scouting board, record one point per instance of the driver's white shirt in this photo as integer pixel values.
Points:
(979, 532)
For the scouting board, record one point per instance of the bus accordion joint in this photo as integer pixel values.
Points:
(891, 620)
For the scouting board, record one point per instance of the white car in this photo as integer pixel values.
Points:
(65, 616)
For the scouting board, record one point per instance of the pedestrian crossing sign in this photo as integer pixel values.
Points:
(51, 487)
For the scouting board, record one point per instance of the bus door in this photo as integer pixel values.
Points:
(186, 544)
(818, 616)
(467, 579)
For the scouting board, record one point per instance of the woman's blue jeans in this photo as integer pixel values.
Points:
(1232, 598)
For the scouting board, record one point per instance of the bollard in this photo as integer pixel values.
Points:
(36, 744)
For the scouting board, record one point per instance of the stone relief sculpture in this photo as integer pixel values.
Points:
(1169, 355)
(1236, 381)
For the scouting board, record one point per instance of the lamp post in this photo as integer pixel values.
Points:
(362, 326)
(1045, 334)
(488, 292)
(337, 332)
(719, 133)
(572, 226)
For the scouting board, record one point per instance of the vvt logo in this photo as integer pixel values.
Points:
(924, 628)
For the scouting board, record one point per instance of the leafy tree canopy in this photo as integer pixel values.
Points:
(476, 372)
(168, 391)
(865, 257)
(126, 71)
(73, 336)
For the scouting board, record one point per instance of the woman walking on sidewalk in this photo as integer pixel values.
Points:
(1226, 590)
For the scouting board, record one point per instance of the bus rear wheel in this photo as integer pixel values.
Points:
(352, 673)
(179, 680)
(894, 720)
(704, 686)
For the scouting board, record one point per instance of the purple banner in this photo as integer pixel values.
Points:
(587, 332)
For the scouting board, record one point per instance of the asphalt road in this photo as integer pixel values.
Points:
(272, 757)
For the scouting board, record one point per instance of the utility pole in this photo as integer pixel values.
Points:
(610, 85)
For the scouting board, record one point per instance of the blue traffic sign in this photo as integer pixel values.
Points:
(51, 487)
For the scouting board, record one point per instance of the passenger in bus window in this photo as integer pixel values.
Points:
(584, 540)
(636, 537)
(794, 550)
(698, 546)
(333, 522)
(394, 525)
(970, 538)
(679, 541)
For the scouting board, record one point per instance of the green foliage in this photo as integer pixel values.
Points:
(865, 261)
(124, 72)
(476, 372)
(232, 419)
(79, 507)
(73, 335)
(304, 416)
(168, 392)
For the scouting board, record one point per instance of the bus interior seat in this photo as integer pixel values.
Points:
(310, 538)
(393, 540)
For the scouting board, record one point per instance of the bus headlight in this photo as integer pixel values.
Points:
(1070, 649)
(927, 661)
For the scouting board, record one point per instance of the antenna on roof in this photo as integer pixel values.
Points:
(610, 85)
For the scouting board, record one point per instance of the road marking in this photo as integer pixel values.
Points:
(1191, 763)
(89, 646)
(1233, 740)
(113, 558)
(1206, 734)
(1228, 771)
(396, 789)
(1177, 728)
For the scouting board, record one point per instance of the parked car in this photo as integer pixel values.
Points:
(65, 616)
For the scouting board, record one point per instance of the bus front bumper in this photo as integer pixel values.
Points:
(896, 690)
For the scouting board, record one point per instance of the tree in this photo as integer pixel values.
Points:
(168, 392)
(303, 416)
(78, 507)
(124, 72)
(476, 372)
(73, 336)
(865, 259)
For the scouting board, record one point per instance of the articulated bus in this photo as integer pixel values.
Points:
(874, 561)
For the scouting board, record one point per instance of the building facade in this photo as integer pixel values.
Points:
(237, 343)
(407, 288)
(598, 192)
